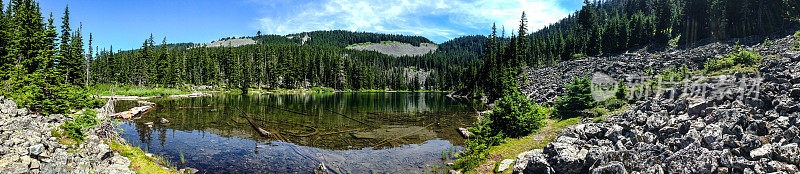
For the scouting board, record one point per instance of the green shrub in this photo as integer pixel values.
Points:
(483, 137)
(577, 98)
(516, 116)
(797, 33)
(596, 111)
(622, 90)
(743, 58)
(796, 46)
(579, 55)
(74, 128)
(675, 74)
(613, 103)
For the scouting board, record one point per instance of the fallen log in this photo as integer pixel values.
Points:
(338, 132)
(133, 112)
(337, 113)
(263, 132)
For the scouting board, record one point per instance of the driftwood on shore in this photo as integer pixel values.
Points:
(125, 97)
(133, 112)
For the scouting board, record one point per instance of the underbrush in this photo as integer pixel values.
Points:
(577, 98)
(72, 132)
(742, 61)
(107, 90)
(322, 89)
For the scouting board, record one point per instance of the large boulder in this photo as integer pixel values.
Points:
(533, 161)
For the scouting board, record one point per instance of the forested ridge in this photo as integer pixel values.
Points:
(279, 62)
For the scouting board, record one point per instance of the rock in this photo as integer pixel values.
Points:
(103, 152)
(36, 149)
(533, 161)
(504, 165)
(35, 164)
(692, 159)
(454, 172)
(26, 160)
(787, 153)
(188, 170)
(762, 152)
(321, 169)
(8, 159)
(614, 167)
(92, 139)
(8, 107)
(464, 132)
(794, 92)
(164, 121)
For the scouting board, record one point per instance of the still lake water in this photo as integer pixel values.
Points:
(348, 132)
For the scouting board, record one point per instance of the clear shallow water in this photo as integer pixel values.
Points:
(349, 132)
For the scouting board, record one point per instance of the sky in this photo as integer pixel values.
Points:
(125, 24)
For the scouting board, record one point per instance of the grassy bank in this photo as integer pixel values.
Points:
(140, 162)
(108, 90)
(515, 146)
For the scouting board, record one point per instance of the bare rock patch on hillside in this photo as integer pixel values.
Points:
(398, 49)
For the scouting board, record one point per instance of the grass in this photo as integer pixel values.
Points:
(515, 146)
(106, 90)
(140, 163)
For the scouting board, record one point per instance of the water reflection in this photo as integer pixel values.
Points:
(349, 132)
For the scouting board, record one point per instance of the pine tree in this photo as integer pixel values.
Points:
(522, 41)
(65, 48)
(76, 62)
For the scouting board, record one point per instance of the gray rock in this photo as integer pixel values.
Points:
(35, 164)
(8, 107)
(321, 169)
(615, 167)
(533, 161)
(36, 149)
(762, 152)
(567, 156)
(787, 153)
(103, 152)
(92, 139)
(164, 121)
(692, 159)
(504, 165)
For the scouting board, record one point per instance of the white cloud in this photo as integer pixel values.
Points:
(436, 19)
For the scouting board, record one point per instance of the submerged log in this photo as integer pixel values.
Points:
(258, 129)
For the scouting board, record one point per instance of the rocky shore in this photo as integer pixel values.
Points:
(737, 123)
(28, 147)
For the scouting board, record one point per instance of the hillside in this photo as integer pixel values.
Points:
(231, 42)
(707, 123)
(396, 49)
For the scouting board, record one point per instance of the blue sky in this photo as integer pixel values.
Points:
(125, 24)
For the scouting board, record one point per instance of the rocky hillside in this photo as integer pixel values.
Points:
(738, 123)
(397, 49)
(230, 43)
(28, 147)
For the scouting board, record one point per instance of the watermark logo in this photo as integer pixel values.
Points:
(731, 87)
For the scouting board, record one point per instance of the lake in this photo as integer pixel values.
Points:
(348, 132)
